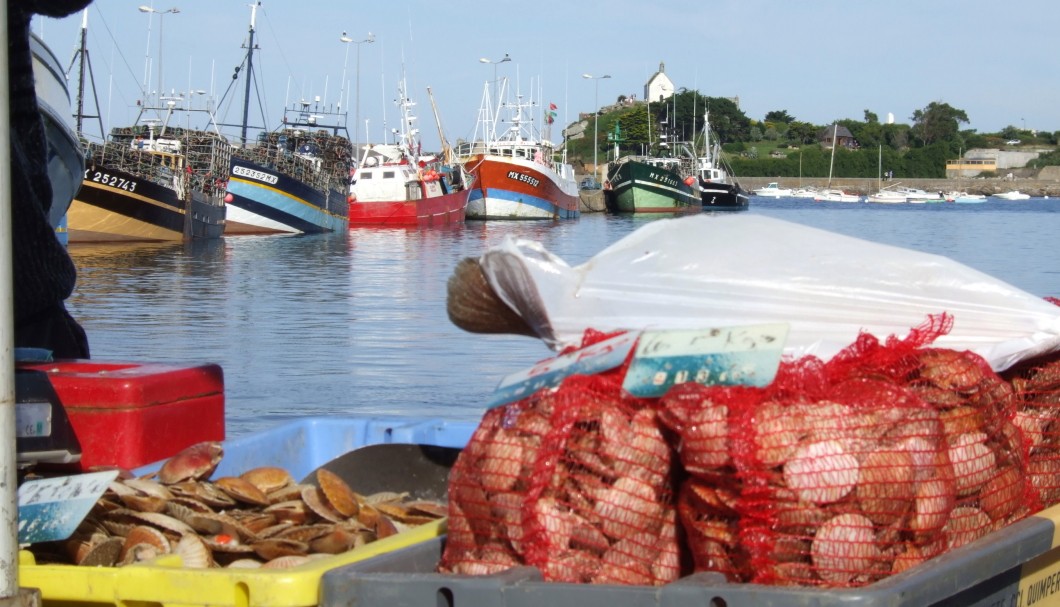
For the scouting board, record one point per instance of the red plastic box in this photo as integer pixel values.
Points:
(131, 414)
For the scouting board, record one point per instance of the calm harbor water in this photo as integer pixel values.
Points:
(355, 323)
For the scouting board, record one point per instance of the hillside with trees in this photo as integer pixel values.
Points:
(781, 145)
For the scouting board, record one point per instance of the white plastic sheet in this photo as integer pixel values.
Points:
(710, 271)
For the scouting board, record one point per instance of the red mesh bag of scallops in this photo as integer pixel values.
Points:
(574, 480)
(844, 472)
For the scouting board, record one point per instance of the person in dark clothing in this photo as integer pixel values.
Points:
(43, 273)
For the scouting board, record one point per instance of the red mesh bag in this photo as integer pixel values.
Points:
(575, 481)
(1036, 385)
(842, 473)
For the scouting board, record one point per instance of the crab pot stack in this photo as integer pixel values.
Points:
(842, 473)
(576, 481)
(1037, 389)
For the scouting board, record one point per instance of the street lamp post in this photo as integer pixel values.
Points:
(485, 60)
(596, 120)
(161, 14)
(357, 103)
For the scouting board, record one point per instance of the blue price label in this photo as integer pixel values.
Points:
(746, 355)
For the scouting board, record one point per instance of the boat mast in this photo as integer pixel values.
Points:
(835, 133)
(84, 65)
(250, 74)
(447, 151)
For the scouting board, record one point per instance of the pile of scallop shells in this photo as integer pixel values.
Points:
(571, 481)
(261, 518)
(853, 479)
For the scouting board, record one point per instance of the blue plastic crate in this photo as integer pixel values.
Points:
(302, 446)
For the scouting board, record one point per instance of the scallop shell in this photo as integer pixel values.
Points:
(316, 501)
(242, 490)
(844, 548)
(144, 503)
(244, 564)
(147, 486)
(821, 472)
(339, 494)
(103, 553)
(286, 562)
(274, 548)
(157, 519)
(268, 478)
(144, 535)
(194, 552)
(195, 462)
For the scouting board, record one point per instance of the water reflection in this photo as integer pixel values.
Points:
(356, 322)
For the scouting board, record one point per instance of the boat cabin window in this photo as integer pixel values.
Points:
(366, 175)
(388, 174)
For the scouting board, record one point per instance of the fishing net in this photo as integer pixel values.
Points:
(841, 473)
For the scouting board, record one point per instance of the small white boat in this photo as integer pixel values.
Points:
(773, 190)
(918, 195)
(804, 192)
(887, 197)
(1013, 195)
(964, 198)
(836, 196)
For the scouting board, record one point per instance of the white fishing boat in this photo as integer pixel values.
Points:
(773, 190)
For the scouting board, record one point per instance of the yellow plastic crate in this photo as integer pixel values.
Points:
(300, 447)
(165, 582)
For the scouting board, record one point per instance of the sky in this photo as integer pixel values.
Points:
(819, 60)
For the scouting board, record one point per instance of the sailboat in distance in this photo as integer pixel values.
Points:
(294, 179)
(829, 194)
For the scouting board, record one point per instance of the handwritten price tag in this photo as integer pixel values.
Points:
(727, 356)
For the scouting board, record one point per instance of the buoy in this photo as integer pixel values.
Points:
(229, 197)
(351, 198)
(690, 180)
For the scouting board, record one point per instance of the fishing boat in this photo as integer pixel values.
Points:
(66, 162)
(149, 182)
(647, 184)
(718, 188)
(294, 179)
(516, 173)
(395, 184)
(773, 190)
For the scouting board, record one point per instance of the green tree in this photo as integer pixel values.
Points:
(802, 132)
(938, 122)
(779, 116)
(871, 116)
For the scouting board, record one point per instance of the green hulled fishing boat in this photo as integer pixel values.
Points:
(644, 184)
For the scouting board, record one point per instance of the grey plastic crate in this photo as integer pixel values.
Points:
(1015, 567)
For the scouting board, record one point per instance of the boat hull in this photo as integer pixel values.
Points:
(723, 196)
(436, 210)
(116, 206)
(265, 201)
(514, 188)
(637, 187)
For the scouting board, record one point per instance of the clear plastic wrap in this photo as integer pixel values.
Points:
(709, 271)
